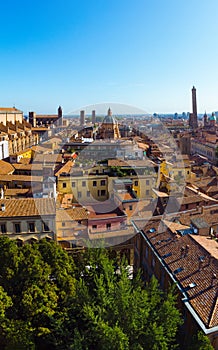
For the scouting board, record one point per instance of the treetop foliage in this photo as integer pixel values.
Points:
(48, 300)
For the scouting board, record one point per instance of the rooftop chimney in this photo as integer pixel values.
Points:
(201, 260)
(213, 280)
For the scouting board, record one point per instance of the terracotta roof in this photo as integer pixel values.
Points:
(209, 244)
(160, 194)
(209, 214)
(77, 213)
(5, 168)
(201, 194)
(18, 166)
(174, 226)
(41, 149)
(24, 178)
(66, 168)
(48, 158)
(205, 181)
(188, 269)
(212, 189)
(27, 207)
(104, 210)
(16, 191)
(45, 116)
(125, 196)
(9, 110)
(192, 199)
(40, 128)
(25, 160)
(118, 162)
(66, 200)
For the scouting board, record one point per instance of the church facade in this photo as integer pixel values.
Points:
(109, 128)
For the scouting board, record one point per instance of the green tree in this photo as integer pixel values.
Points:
(9, 262)
(115, 312)
(39, 281)
(50, 301)
(200, 342)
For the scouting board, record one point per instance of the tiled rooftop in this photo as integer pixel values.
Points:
(209, 214)
(25, 161)
(55, 116)
(48, 158)
(5, 168)
(189, 262)
(104, 210)
(9, 110)
(23, 178)
(28, 167)
(66, 168)
(16, 191)
(27, 207)
(77, 213)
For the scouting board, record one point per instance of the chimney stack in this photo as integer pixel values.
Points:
(213, 280)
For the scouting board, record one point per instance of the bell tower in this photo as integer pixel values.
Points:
(193, 117)
(60, 116)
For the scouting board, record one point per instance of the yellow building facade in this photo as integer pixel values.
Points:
(85, 188)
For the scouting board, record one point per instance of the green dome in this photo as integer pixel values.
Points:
(212, 117)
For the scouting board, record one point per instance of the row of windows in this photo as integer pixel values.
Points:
(94, 183)
(88, 194)
(17, 227)
(108, 226)
(102, 183)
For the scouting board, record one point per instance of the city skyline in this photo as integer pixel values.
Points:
(147, 55)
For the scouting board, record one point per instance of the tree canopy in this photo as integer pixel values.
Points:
(48, 300)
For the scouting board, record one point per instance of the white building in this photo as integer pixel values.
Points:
(4, 149)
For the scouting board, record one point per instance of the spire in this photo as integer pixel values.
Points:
(109, 113)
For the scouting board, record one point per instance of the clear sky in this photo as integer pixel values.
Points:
(145, 53)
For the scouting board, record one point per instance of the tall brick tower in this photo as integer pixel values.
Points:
(82, 118)
(93, 117)
(193, 117)
(60, 116)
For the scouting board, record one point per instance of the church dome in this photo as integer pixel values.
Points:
(212, 117)
(109, 119)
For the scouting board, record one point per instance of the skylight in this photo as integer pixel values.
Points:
(166, 255)
(178, 270)
(152, 230)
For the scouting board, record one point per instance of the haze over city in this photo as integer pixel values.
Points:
(76, 53)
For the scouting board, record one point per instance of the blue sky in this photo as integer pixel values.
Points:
(75, 53)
